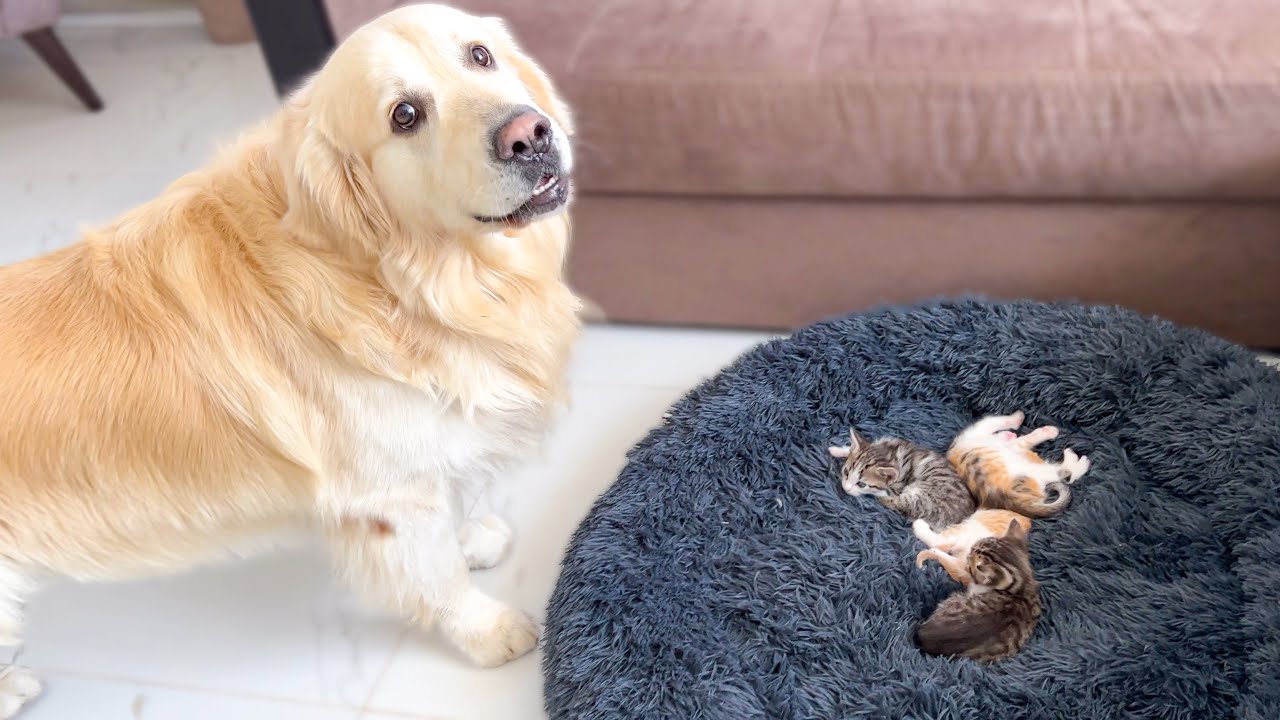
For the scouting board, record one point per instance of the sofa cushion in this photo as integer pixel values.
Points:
(23, 16)
(916, 98)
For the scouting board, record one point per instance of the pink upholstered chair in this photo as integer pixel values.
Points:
(33, 20)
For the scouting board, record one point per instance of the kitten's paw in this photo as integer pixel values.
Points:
(1039, 435)
(1077, 465)
(1007, 435)
(996, 424)
(925, 556)
(922, 530)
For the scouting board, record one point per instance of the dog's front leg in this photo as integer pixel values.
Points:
(484, 541)
(409, 556)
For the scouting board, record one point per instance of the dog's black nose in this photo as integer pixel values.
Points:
(526, 135)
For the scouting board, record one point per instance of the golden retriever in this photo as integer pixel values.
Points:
(354, 318)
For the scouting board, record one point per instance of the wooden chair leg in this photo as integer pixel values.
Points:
(55, 55)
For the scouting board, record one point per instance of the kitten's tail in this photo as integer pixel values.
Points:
(1047, 508)
(976, 637)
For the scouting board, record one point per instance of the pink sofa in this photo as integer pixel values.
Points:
(768, 163)
(33, 21)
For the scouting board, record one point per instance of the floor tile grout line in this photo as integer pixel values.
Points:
(366, 711)
(192, 689)
(376, 714)
(382, 674)
(635, 385)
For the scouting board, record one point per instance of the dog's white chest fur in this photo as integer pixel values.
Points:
(392, 434)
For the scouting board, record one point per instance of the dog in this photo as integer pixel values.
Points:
(353, 318)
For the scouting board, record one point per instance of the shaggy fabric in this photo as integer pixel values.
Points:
(725, 576)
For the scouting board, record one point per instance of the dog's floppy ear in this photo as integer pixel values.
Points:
(338, 187)
(537, 82)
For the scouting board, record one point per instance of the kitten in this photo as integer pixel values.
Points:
(997, 612)
(1003, 470)
(912, 479)
(951, 546)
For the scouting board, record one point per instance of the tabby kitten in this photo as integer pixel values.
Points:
(997, 612)
(1003, 470)
(912, 479)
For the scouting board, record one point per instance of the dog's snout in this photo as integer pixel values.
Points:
(524, 136)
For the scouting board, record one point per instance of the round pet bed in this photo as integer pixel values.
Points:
(725, 576)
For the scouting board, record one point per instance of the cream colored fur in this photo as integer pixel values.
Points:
(314, 328)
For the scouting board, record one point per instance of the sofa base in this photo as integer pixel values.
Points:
(769, 263)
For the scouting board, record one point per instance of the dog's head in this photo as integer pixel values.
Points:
(431, 121)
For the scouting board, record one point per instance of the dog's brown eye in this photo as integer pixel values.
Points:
(404, 115)
(480, 56)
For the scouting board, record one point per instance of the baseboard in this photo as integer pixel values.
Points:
(179, 17)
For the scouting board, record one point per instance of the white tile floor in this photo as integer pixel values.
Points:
(274, 638)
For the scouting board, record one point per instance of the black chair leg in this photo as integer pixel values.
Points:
(55, 55)
(295, 38)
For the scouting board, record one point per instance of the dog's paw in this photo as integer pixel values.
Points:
(512, 634)
(484, 541)
(18, 686)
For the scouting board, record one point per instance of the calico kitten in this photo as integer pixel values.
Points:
(951, 546)
(1003, 470)
(997, 612)
(914, 480)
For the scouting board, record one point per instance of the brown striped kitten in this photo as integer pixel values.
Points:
(995, 615)
(909, 478)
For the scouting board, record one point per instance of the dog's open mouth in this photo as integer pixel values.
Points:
(551, 193)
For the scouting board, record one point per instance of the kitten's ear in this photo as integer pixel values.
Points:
(1016, 531)
(856, 442)
(839, 452)
(890, 474)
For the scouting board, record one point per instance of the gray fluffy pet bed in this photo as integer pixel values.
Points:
(725, 576)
